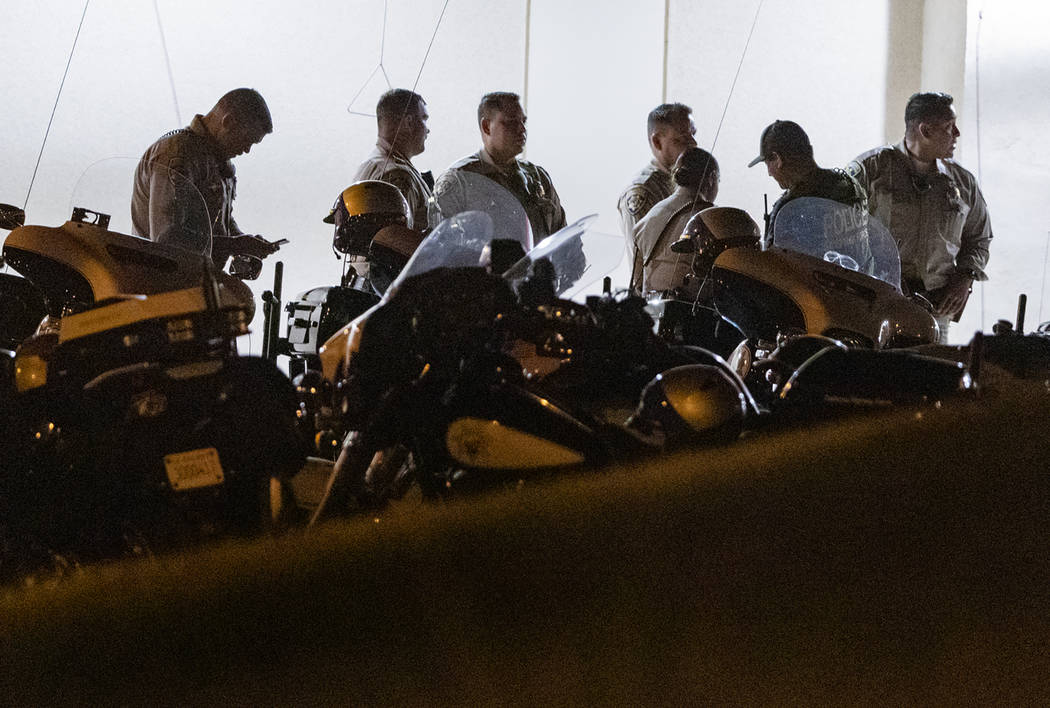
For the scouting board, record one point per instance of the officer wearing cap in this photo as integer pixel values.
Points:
(501, 120)
(788, 154)
(696, 176)
(401, 119)
(932, 206)
(671, 131)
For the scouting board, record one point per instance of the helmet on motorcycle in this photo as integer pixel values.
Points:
(361, 210)
(696, 402)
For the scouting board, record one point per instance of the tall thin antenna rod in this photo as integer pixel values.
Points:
(739, 66)
(415, 83)
(167, 63)
(1042, 289)
(732, 88)
(725, 108)
(55, 107)
(977, 100)
(667, 37)
(528, 49)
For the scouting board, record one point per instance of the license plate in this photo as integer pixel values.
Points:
(193, 469)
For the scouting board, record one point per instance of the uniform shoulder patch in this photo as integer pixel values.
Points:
(637, 203)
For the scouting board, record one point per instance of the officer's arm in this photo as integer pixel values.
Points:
(404, 183)
(558, 217)
(860, 170)
(976, 239)
(634, 204)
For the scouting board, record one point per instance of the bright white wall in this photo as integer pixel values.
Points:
(594, 72)
(1013, 162)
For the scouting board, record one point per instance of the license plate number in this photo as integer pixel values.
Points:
(193, 469)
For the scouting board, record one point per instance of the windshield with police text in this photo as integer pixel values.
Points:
(846, 236)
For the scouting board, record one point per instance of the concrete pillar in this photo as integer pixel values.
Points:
(926, 51)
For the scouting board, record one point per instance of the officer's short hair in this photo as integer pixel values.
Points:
(395, 103)
(693, 167)
(929, 107)
(667, 114)
(248, 106)
(496, 102)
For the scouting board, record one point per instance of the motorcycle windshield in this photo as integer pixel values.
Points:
(460, 191)
(843, 235)
(145, 199)
(472, 212)
(579, 255)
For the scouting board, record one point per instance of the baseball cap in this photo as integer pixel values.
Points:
(782, 136)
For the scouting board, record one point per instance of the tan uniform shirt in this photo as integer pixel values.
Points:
(663, 269)
(648, 187)
(939, 219)
(184, 190)
(398, 170)
(530, 184)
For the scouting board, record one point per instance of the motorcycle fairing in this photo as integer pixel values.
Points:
(504, 427)
(97, 264)
(829, 298)
(131, 310)
(480, 442)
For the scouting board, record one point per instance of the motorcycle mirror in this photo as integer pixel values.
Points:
(11, 217)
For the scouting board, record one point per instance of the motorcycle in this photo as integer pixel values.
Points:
(138, 425)
(829, 270)
(472, 377)
(371, 236)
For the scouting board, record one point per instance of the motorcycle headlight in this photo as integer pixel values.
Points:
(693, 402)
(741, 358)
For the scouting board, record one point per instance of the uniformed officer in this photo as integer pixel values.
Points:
(696, 176)
(502, 123)
(931, 205)
(788, 154)
(401, 118)
(671, 130)
(185, 185)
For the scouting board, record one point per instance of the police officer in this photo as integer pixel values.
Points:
(671, 130)
(696, 176)
(185, 185)
(931, 205)
(788, 154)
(401, 118)
(502, 124)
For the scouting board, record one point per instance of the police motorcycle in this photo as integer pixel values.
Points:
(461, 376)
(371, 236)
(1009, 356)
(138, 426)
(829, 270)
